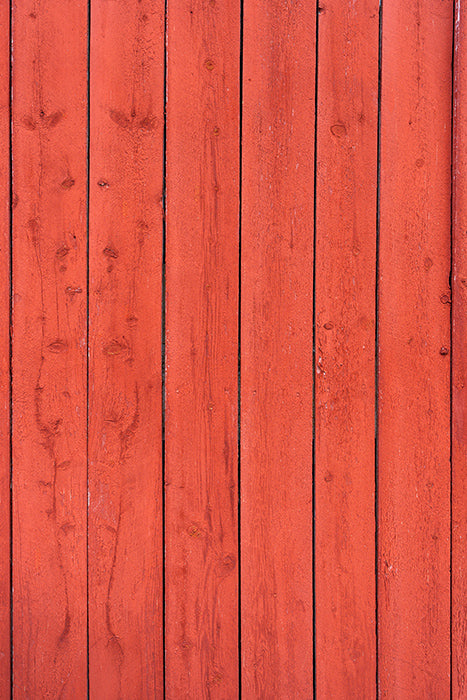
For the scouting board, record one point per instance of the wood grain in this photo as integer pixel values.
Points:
(459, 361)
(125, 404)
(203, 115)
(414, 351)
(49, 135)
(345, 349)
(276, 348)
(5, 596)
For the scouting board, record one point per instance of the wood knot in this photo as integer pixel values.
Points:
(445, 298)
(185, 644)
(338, 130)
(427, 263)
(214, 679)
(229, 562)
(115, 347)
(110, 252)
(194, 531)
(58, 346)
(71, 291)
(62, 252)
(68, 183)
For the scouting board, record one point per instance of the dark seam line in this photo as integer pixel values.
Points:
(377, 272)
(313, 430)
(239, 386)
(88, 159)
(163, 348)
(10, 324)
(455, 28)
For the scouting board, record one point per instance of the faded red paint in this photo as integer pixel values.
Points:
(316, 562)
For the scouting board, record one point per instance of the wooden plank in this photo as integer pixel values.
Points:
(347, 125)
(5, 598)
(414, 351)
(49, 113)
(125, 404)
(459, 360)
(202, 344)
(276, 348)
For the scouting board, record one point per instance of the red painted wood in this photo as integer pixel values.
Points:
(49, 348)
(125, 285)
(203, 115)
(4, 354)
(459, 361)
(276, 348)
(414, 351)
(101, 432)
(345, 349)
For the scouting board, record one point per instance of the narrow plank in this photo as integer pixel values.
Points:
(5, 597)
(345, 349)
(276, 348)
(202, 344)
(414, 351)
(49, 347)
(125, 287)
(459, 361)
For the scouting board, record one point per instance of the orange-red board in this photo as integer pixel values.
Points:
(232, 438)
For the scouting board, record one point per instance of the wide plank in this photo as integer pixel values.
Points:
(277, 349)
(49, 143)
(203, 117)
(414, 351)
(345, 277)
(125, 380)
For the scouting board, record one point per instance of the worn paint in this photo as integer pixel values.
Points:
(265, 548)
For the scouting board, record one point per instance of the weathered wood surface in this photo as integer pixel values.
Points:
(276, 348)
(414, 351)
(49, 116)
(229, 351)
(346, 221)
(125, 317)
(203, 119)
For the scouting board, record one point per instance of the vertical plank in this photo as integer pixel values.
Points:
(414, 351)
(345, 267)
(49, 347)
(276, 348)
(459, 361)
(202, 344)
(5, 352)
(125, 283)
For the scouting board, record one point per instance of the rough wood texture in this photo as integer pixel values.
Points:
(459, 361)
(49, 348)
(276, 348)
(113, 539)
(414, 351)
(125, 287)
(345, 349)
(5, 597)
(203, 115)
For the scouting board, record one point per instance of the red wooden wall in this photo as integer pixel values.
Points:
(233, 349)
